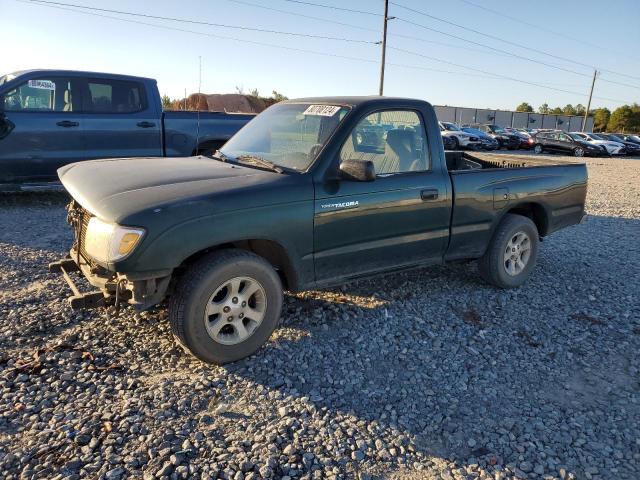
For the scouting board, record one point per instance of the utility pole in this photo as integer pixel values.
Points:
(384, 45)
(586, 113)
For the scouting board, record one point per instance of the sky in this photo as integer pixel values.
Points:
(423, 59)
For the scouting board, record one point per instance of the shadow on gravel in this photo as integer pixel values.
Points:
(472, 373)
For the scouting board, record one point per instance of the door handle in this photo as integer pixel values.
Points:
(67, 124)
(429, 194)
(146, 124)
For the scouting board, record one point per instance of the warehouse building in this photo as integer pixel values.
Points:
(506, 118)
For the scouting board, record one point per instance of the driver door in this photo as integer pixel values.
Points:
(399, 219)
(46, 129)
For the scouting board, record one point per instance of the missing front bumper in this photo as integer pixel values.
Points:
(79, 300)
(142, 291)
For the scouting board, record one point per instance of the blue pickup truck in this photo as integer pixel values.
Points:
(49, 118)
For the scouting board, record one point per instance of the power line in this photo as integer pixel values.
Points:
(342, 9)
(539, 27)
(491, 75)
(505, 52)
(498, 75)
(198, 22)
(352, 25)
(519, 45)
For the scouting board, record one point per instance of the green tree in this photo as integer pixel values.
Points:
(569, 109)
(621, 120)
(166, 102)
(544, 108)
(254, 92)
(524, 107)
(557, 111)
(579, 108)
(600, 118)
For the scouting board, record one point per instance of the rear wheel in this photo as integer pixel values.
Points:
(537, 148)
(226, 306)
(512, 253)
(455, 143)
(578, 152)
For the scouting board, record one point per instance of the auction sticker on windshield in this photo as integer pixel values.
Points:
(322, 110)
(42, 84)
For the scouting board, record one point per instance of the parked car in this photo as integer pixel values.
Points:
(448, 142)
(487, 142)
(526, 140)
(459, 138)
(567, 143)
(49, 118)
(632, 148)
(505, 139)
(222, 237)
(629, 137)
(611, 148)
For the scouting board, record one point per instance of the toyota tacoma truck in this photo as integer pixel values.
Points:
(310, 193)
(49, 118)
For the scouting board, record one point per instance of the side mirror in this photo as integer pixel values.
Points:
(358, 170)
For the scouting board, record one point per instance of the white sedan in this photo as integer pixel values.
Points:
(459, 137)
(613, 148)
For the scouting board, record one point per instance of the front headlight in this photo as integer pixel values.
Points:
(109, 242)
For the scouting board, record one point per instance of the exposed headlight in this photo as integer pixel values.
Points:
(109, 242)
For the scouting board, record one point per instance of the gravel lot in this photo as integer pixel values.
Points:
(428, 374)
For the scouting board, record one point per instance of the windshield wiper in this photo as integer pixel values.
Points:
(218, 155)
(260, 162)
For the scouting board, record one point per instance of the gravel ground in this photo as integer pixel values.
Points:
(428, 374)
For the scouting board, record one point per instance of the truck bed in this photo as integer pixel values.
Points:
(461, 161)
(486, 186)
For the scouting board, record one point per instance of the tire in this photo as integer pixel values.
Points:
(578, 152)
(196, 290)
(538, 149)
(494, 267)
(455, 143)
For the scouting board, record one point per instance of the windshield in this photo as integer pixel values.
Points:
(594, 136)
(496, 129)
(473, 131)
(450, 126)
(575, 136)
(615, 138)
(290, 135)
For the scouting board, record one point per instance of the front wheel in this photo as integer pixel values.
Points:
(512, 253)
(226, 306)
(578, 152)
(455, 143)
(537, 149)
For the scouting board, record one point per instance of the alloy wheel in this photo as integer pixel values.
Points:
(517, 253)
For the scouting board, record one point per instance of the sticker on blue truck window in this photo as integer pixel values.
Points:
(322, 110)
(42, 84)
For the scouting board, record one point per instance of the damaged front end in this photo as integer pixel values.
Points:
(112, 289)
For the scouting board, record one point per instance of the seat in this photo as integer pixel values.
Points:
(399, 153)
(68, 104)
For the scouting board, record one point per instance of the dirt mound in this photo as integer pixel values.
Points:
(229, 102)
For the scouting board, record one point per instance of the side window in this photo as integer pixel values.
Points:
(42, 95)
(394, 140)
(564, 137)
(114, 96)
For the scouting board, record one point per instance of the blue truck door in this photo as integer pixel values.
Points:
(43, 129)
(121, 120)
(401, 218)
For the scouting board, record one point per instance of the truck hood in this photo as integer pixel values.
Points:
(115, 188)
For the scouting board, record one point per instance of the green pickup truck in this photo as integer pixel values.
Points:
(311, 193)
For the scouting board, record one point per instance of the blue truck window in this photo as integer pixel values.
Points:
(114, 96)
(42, 95)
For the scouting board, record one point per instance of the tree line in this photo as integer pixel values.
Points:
(623, 119)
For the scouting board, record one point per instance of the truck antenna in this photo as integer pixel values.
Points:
(198, 102)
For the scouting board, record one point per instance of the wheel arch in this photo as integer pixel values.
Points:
(535, 212)
(272, 251)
